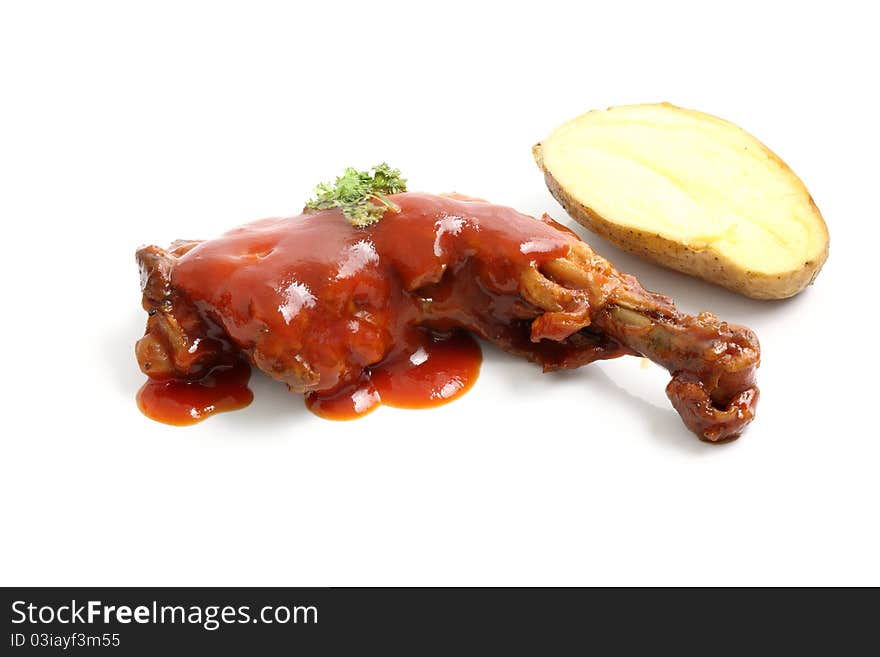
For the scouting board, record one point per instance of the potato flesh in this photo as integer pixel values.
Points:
(692, 178)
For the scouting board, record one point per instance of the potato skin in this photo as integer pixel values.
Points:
(701, 263)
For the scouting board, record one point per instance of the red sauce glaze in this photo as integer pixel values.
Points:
(429, 370)
(338, 312)
(181, 403)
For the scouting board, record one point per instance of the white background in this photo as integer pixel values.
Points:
(130, 123)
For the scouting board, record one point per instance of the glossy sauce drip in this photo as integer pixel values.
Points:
(430, 370)
(182, 403)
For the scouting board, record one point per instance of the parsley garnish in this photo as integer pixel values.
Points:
(355, 192)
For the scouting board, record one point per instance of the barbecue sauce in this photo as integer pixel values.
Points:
(431, 371)
(178, 402)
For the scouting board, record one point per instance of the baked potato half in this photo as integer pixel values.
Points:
(689, 191)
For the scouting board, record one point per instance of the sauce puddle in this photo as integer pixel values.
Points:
(430, 371)
(183, 403)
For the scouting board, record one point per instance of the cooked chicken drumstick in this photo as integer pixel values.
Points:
(316, 303)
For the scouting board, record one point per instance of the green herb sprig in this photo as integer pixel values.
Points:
(357, 192)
